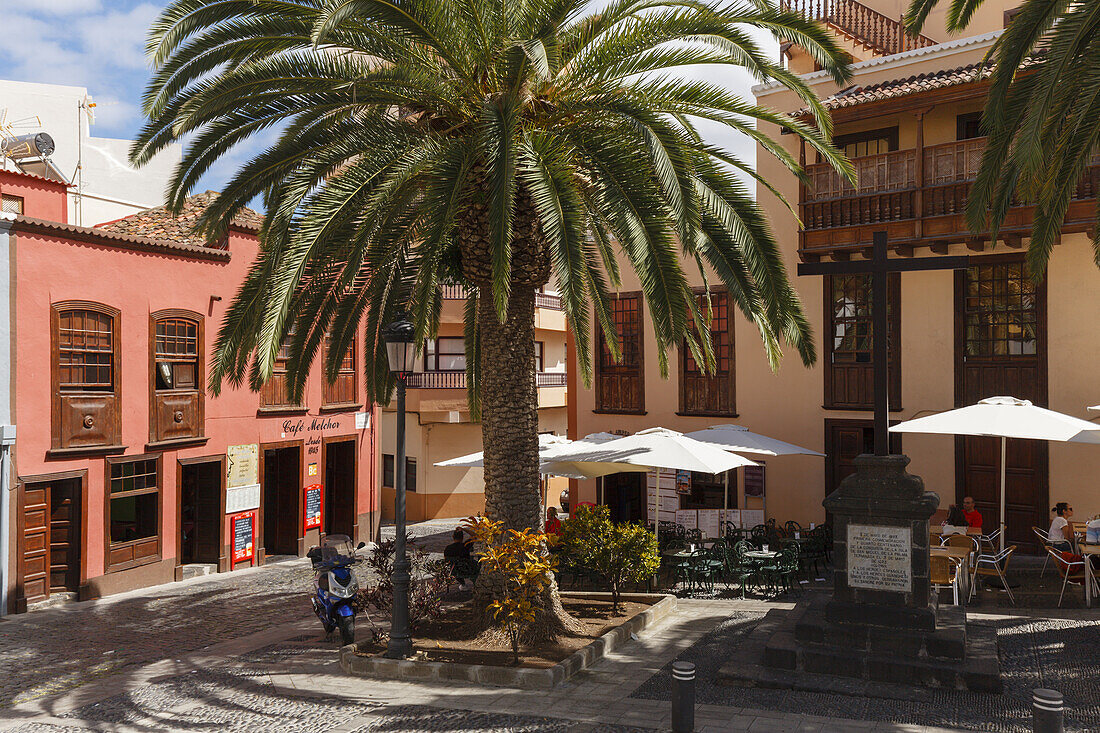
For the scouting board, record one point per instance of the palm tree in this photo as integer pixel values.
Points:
(1042, 114)
(491, 145)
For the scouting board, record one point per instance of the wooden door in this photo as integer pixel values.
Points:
(339, 488)
(65, 536)
(200, 512)
(625, 496)
(282, 479)
(50, 543)
(844, 440)
(1001, 350)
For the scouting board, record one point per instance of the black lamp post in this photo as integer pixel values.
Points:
(401, 352)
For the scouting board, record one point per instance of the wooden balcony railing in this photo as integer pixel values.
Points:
(874, 31)
(550, 301)
(915, 203)
(457, 380)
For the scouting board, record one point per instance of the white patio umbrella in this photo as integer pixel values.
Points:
(548, 444)
(739, 439)
(1005, 417)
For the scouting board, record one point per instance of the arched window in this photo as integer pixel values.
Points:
(85, 376)
(177, 376)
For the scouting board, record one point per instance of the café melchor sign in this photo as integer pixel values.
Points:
(301, 428)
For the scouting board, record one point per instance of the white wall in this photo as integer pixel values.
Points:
(112, 188)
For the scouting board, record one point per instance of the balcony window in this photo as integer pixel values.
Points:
(445, 354)
(538, 356)
(868, 142)
(178, 396)
(342, 391)
(849, 371)
(620, 385)
(11, 204)
(273, 395)
(1001, 312)
(703, 393)
(85, 376)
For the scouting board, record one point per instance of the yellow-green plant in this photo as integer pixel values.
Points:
(620, 553)
(521, 568)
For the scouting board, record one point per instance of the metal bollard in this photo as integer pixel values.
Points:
(683, 697)
(1047, 707)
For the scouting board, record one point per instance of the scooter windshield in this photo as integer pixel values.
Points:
(336, 549)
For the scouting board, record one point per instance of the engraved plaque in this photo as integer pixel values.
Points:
(880, 558)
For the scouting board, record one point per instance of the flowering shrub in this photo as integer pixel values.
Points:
(522, 568)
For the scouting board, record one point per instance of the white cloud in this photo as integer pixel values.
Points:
(67, 7)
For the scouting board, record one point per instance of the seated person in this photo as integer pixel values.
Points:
(463, 564)
(553, 524)
(955, 522)
(1060, 534)
(973, 516)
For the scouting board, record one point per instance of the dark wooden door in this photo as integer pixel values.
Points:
(844, 440)
(624, 495)
(65, 536)
(282, 476)
(51, 538)
(200, 512)
(339, 490)
(1001, 350)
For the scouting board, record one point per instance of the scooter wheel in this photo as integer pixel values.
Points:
(346, 625)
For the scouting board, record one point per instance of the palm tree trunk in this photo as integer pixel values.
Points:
(509, 427)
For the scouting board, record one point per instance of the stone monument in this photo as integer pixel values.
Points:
(882, 631)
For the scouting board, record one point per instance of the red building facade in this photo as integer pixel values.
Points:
(127, 471)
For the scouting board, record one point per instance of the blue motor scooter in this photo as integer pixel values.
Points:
(334, 584)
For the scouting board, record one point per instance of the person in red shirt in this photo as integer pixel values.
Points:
(553, 524)
(973, 516)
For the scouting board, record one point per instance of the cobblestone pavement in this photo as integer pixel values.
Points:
(55, 649)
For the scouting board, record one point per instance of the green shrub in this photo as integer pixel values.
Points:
(618, 553)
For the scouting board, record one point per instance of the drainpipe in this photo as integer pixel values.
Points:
(7, 431)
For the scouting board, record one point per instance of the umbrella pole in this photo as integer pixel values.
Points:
(1004, 453)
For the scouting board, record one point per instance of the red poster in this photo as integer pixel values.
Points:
(314, 501)
(243, 526)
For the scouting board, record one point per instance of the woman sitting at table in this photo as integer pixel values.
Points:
(955, 522)
(1060, 533)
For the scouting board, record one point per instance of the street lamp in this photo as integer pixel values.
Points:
(401, 353)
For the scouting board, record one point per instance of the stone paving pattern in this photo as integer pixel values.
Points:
(242, 652)
(1057, 654)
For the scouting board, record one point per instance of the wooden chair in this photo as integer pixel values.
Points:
(1073, 573)
(944, 573)
(1044, 542)
(995, 565)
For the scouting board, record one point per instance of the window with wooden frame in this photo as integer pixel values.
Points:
(273, 395)
(968, 126)
(10, 204)
(868, 142)
(620, 385)
(445, 354)
(84, 376)
(178, 399)
(539, 347)
(387, 470)
(1001, 312)
(849, 368)
(342, 391)
(702, 392)
(410, 474)
(132, 515)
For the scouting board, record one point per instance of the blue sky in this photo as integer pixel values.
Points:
(100, 44)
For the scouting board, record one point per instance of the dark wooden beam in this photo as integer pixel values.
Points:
(904, 250)
(975, 244)
(809, 257)
(939, 248)
(868, 253)
(1013, 241)
(841, 256)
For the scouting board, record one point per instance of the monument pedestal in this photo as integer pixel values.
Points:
(882, 623)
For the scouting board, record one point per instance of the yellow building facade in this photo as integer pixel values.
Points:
(438, 425)
(910, 122)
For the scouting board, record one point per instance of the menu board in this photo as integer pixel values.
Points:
(754, 481)
(313, 506)
(687, 518)
(244, 532)
(661, 490)
(751, 517)
(731, 517)
(709, 522)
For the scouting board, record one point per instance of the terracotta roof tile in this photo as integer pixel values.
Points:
(118, 239)
(159, 224)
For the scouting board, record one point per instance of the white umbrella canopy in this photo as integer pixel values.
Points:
(1005, 417)
(739, 439)
(654, 448)
(475, 460)
(548, 444)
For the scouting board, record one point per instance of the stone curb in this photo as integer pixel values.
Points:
(524, 678)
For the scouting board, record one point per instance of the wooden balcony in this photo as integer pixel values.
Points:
(878, 33)
(918, 196)
(457, 380)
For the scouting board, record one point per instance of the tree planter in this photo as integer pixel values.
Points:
(507, 676)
